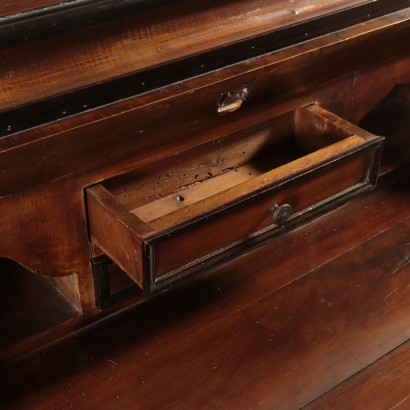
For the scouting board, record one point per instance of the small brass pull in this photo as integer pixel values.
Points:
(232, 100)
(280, 213)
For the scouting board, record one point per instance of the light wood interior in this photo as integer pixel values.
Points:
(229, 161)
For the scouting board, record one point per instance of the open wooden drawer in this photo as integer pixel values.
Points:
(168, 219)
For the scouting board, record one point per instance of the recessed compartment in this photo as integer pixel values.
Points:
(174, 217)
(391, 118)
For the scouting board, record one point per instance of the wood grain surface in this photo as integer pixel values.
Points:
(283, 324)
(48, 215)
(334, 235)
(382, 385)
(46, 168)
(109, 51)
(19, 6)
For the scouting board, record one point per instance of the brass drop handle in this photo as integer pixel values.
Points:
(232, 100)
(280, 213)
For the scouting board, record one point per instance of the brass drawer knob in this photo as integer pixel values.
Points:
(280, 213)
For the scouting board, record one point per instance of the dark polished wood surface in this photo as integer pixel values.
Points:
(106, 52)
(275, 328)
(27, 21)
(133, 107)
(40, 306)
(66, 156)
(383, 385)
(46, 17)
(10, 7)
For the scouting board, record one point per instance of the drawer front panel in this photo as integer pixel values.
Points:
(173, 254)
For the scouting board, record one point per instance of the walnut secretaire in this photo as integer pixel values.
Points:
(144, 141)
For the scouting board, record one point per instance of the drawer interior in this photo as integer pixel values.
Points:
(160, 194)
(152, 222)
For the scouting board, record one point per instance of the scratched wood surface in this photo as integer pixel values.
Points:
(276, 328)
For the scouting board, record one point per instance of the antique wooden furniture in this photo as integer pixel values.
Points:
(143, 143)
